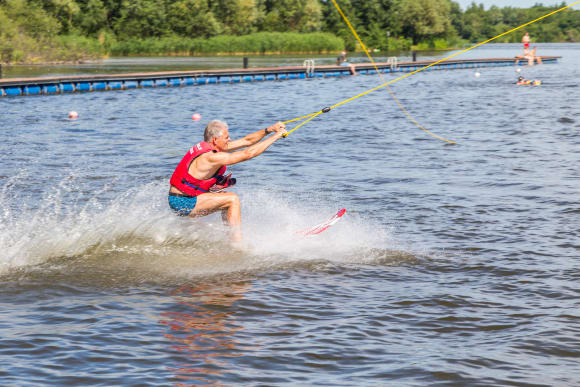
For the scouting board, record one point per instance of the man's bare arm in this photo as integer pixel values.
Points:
(224, 158)
(253, 138)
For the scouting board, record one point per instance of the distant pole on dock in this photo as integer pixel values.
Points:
(0, 70)
(245, 62)
(414, 56)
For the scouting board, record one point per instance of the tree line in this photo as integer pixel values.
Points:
(71, 29)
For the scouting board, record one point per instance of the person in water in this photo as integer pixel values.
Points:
(522, 81)
(197, 184)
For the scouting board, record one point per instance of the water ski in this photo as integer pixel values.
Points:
(324, 225)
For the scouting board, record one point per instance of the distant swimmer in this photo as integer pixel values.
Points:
(522, 81)
(197, 184)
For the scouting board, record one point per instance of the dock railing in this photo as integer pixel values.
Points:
(309, 65)
(393, 62)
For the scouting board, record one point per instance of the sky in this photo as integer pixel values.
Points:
(511, 3)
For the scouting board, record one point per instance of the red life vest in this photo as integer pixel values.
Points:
(182, 180)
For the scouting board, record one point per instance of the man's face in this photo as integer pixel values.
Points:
(221, 143)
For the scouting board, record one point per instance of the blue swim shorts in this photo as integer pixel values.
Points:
(182, 204)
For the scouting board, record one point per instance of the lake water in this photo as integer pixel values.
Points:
(454, 265)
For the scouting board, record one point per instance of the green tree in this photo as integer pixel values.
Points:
(456, 15)
(292, 15)
(64, 11)
(32, 20)
(113, 8)
(93, 17)
(311, 20)
(141, 18)
(7, 33)
(193, 18)
(473, 22)
(238, 17)
(425, 19)
(333, 22)
(569, 24)
(377, 21)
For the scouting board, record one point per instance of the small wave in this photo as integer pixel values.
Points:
(566, 120)
(136, 237)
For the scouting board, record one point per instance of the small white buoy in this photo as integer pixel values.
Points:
(73, 115)
(196, 117)
(519, 70)
(477, 74)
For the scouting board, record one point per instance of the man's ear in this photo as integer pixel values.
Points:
(214, 143)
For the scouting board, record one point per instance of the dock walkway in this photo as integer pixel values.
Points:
(85, 83)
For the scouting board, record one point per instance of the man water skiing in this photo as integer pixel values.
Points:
(197, 182)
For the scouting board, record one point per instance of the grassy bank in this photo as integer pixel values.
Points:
(18, 48)
(61, 49)
(258, 43)
(441, 44)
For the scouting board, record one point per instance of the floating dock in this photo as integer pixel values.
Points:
(85, 83)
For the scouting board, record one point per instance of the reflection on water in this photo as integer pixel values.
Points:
(203, 327)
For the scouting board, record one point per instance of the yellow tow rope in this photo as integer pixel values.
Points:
(409, 116)
(309, 117)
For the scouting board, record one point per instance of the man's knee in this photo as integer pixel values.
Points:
(232, 199)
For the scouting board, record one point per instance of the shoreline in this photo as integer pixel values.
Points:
(240, 54)
(206, 54)
(172, 54)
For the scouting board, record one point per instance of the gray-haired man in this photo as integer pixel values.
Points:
(200, 176)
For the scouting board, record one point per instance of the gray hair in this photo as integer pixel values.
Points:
(214, 129)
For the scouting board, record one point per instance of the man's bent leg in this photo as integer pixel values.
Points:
(228, 203)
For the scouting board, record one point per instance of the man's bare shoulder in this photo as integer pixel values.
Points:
(215, 157)
(205, 163)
